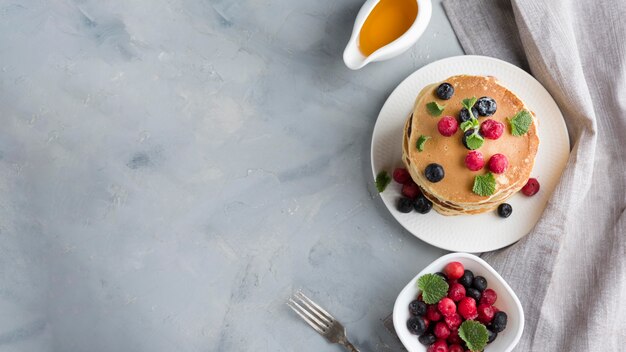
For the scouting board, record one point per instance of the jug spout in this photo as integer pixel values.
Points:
(353, 58)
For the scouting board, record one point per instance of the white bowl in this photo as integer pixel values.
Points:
(507, 302)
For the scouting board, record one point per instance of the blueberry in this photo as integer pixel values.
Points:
(473, 293)
(405, 205)
(479, 283)
(467, 279)
(499, 322)
(486, 106)
(417, 308)
(465, 116)
(505, 210)
(422, 204)
(492, 336)
(434, 172)
(427, 339)
(467, 134)
(439, 273)
(445, 91)
(416, 325)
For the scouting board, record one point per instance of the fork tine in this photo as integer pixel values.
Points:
(307, 299)
(314, 308)
(304, 314)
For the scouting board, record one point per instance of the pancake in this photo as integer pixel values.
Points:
(453, 194)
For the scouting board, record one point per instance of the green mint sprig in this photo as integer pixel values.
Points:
(435, 109)
(433, 288)
(474, 334)
(469, 104)
(471, 123)
(520, 123)
(421, 141)
(475, 140)
(382, 181)
(484, 185)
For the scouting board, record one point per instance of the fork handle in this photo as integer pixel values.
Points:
(350, 347)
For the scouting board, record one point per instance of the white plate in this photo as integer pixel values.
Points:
(507, 302)
(483, 232)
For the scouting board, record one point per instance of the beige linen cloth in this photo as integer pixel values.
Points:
(570, 271)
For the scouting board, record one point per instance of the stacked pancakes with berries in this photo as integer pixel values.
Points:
(469, 163)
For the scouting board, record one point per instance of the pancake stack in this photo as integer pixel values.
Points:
(454, 195)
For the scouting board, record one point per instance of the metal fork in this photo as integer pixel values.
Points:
(320, 320)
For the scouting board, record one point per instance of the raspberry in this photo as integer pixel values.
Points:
(410, 190)
(438, 346)
(454, 270)
(467, 308)
(455, 348)
(454, 337)
(491, 129)
(474, 160)
(498, 163)
(401, 175)
(426, 322)
(446, 306)
(489, 297)
(531, 187)
(453, 321)
(456, 292)
(485, 313)
(441, 331)
(432, 313)
(447, 126)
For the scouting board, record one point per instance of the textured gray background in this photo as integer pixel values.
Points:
(170, 171)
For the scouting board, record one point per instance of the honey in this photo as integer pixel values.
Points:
(387, 22)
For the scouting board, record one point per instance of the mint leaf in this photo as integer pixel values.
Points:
(469, 103)
(484, 185)
(474, 334)
(474, 141)
(471, 123)
(382, 180)
(434, 108)
(433, 288)
(520, 123)
(421, 141)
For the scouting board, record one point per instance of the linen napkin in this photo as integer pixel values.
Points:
(570, 271)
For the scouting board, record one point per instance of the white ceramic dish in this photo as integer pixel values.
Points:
(352, 56)
(483, 232)
(507, 302)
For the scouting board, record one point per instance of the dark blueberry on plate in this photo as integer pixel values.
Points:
(405, 205)
(492, 335)
(479, 283)
(465, 116)
(445, 91)
(442, 275)
(473, 293)
(505, 210)
(427, 339)
(434, 172)
(466, 135)
(467, 279)
(486, 106)
(422, 204)
(499, 322)
(416, 325)
(417, 308)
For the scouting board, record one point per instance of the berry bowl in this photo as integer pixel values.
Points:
(507, 302)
